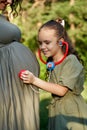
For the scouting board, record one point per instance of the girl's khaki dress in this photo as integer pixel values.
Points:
(70, 111)
(19, 104)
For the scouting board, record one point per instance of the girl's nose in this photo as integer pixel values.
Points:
(42, 46)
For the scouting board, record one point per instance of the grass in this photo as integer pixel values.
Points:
(44, 102)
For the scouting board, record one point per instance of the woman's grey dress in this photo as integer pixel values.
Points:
(19, 104)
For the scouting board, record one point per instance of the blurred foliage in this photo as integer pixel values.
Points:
(84, 93)
(31, 18)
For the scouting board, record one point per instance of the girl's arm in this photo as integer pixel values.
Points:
(54, 88)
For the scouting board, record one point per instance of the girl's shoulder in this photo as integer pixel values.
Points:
(71, 56)
(72, 60)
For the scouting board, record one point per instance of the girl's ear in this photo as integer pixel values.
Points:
(60, 41)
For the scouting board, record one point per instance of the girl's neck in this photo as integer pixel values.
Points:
(58, 57)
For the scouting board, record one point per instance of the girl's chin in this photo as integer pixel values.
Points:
(46, 55)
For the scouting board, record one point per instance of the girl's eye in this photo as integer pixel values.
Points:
(44, 42)
(47, 42)
(39, 43)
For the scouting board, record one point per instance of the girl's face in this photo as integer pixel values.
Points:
(4, 3)
(48, 42)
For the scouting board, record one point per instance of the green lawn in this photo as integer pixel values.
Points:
(44, 101)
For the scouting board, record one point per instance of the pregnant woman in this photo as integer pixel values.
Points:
(19, 104)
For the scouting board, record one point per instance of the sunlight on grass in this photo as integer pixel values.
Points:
(84, 93)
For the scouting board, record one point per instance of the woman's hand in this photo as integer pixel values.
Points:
(27, 77)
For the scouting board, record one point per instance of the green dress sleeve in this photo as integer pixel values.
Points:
(72, 73)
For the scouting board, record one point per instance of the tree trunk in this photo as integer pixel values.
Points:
(72, 26)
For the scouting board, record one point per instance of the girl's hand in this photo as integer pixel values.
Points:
(27, 76)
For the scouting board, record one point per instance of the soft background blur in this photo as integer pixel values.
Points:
(34, 14)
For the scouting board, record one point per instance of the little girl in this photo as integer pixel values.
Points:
(67, 110)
